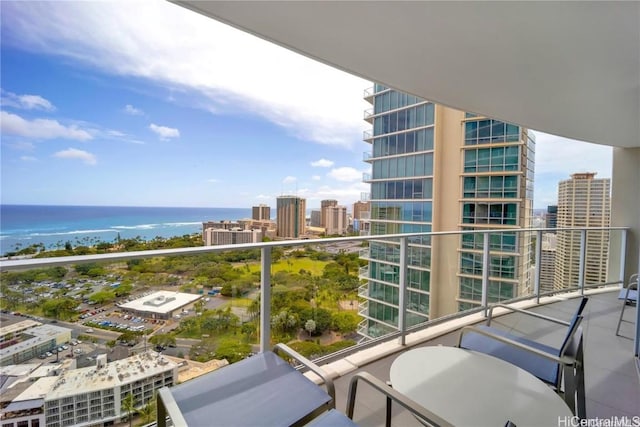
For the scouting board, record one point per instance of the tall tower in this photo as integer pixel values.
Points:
(261, 212)
(336, 217)
(290, 220)
(439, 169)
(551, 220)
(324, 205)
(583, 201)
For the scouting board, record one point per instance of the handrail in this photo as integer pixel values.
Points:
(396, 239)
(423, 414)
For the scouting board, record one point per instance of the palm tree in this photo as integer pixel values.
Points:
(127, 405)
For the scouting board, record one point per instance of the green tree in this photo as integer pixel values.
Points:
(163, 339)
(320, 316)
(103, 296)
(232, 350)
(344, 321)
(59, 308)
(128, 406)
(310, 326)
(148, 411)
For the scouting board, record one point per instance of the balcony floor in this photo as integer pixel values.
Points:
(611, 379)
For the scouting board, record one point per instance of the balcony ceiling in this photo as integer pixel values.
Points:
(566, 68)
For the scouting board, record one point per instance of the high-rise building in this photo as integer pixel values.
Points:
(439, 169)
(324, 204)
(359, 208)
(261, 212)
(291, 217)
(336, 218)
(236, 236)
(547, 261)
(551, 220)
(316, 218)
(583, 201)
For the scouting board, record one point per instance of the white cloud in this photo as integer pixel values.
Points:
(557, 158)
(13, 124)
(28, 159)
(180, 49)
(72, 153)
(555, 154)
(130, 109)
(164, 132)
(26, 102)
(289, 180)
(213, 180)
(264, 197)
(346, 174)
(322, 163)
(22, 146)
(316, 177)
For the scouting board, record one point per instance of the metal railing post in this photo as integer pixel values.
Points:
(486, 265)
(536, 280)
(265, 299)
(623, 255)
(402, 297)
(583, 257)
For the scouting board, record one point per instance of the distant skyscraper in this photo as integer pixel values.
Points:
(291, 217)
(359, 208)
(439, 169)
(324, 204)
(547, 261)
(336, 218)
(261, 212)
(551, 220)
(316, 218)
(583, 201)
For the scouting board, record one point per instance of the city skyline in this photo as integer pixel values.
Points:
(171, 106)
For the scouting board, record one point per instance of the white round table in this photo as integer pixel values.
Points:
(467, 388)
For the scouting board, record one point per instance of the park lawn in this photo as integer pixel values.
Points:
(294, 265)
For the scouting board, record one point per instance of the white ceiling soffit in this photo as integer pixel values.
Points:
(566, 68)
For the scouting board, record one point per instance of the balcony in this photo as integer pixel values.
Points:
(367, 156)
(367, 135)
(368, 115)
(368, 94)
(612, 387)
(366, 177)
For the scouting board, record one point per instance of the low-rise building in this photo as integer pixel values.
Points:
(160, 305)
(31, 342)
(92, 395)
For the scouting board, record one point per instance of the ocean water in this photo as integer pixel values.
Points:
(24, 225)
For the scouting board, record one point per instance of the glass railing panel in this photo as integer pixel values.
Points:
(316, 290)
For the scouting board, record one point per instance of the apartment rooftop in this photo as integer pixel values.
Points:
(110, 375)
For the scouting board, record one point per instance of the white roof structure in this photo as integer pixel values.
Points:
(93, 378)
(161, 302)
(39, 334)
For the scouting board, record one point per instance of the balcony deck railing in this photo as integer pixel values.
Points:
(617, 247)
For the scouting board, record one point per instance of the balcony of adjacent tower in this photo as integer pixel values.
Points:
(368, 115)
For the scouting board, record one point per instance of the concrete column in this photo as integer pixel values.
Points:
(625, 210)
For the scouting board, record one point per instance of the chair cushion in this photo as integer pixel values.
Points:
(545, 369)
(332, 418)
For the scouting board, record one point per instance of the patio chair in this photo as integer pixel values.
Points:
(261, 390)
(629, 295)
(550, 364)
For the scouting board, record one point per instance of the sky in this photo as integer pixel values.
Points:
(149, 104)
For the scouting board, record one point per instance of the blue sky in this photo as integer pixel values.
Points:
(149, 104)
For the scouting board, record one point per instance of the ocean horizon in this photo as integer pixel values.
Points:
(54, 225)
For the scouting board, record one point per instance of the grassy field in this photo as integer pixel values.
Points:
(294, 265)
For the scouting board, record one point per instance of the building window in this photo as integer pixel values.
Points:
(490, 131)
(492, 159)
